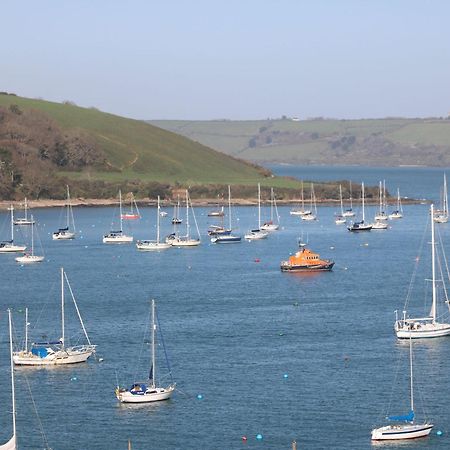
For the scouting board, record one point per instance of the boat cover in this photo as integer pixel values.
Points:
(405, 418)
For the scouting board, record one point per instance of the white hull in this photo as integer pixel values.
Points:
(270, 227)
(29, 259)
(348, 214)
(418, 330)
(381, 217)
(151, 395)
(378, 225)
(121, 239)
(309, 217)
(440, 219)
(11, 248)
(395, 216)
(403, 431)
(152, 246)
(57, 236)
(23, 222)
(60, 357)
(256, 235)
(340, 221)
(299, 212)
(179, 242)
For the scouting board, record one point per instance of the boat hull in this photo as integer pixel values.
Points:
(60, 357)
(420, 330)
(123, 239)
(11, 248)
(307, 268)
(149, 246)
(29, 259)
(256, 235)
(400, 432)
(270, 227)
(226, 239)
(150, 396)
(57, 236)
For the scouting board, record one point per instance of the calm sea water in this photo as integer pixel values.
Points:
(234, 325)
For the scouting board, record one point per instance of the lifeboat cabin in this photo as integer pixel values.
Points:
(306, 261)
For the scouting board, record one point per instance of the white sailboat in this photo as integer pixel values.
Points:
(362, 225)
(426, 327)
(340, 218)
(24, 220)
(441, 215)
(9, 246)
(133, 213)
(272, 225)
(154, 245)
(398, 213)
(302, 211)
(118, 236)
(404, 426)
(176, 240)
(226, 238)
(381, 214)
(29, 258)
(68, 232)
(11, 444)
(349, 211)
(55, 352)
(257, 233)
(312, 214)
(149, 391)
(176, 219)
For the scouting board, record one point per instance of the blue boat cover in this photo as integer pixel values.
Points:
(39, 351)
(406, 418)
(138, 389)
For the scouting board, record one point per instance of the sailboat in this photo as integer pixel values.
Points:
(271, 225)
(404, 426)
(217, 212)
(147, 392)
(55, 352)
(226, 238)
(65, 233)
(257, 233)
(302, 211)
(185, 241)
(11, 444)
(349, 212)
(312, 214)
(118, 237)
(9, 246)
(24, 220)
(29, 258)
(381, 214)
(154, 245)
(176, 219)
(441, 215)
(426, 327)
(398, 213)
(133, 213)
(362, 225)
(340, 219)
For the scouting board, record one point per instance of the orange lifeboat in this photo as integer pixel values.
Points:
(306, 261)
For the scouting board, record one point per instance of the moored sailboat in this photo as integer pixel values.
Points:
(257, 233)
(349, 211)
(10, 246)
(55, 352)
(118, 236)
(441, 215)
(404, 426)
(302, 211)
(147, 392)
(398, 213)
(426, 327)
(25, 220)
(312, 214)
(29, 258)
(340, 218)
(272, 225)
(227, 237)
(68, 232)
(361, 225)
(133, 213)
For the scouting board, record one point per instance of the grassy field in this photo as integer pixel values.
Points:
(389, 142)
(138, 150)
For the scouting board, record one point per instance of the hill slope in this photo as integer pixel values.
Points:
(377, 142)
(40, 139)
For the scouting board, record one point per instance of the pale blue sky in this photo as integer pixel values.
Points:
(236, 59)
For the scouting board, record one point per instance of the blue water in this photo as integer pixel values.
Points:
(233, 325)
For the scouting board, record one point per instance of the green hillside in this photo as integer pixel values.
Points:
(377, 142)
(137, 150)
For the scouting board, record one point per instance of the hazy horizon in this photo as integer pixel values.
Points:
(232, 60)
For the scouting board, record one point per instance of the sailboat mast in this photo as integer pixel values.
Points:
(411, 373)
(445, 196)
(12, 223)
(303, 199)
(229, 206)
(259, 206)
(13, 396)
(351, 201)
(340, 195)
(153, 343)
(157, 224)
(120, 209)
(381, 199)
(271, 204)
(62, 307)
(68, 209)
(362, 192)
(26, 209)
(26, 330)
(187, 213)
(433, 267)
(32, 236)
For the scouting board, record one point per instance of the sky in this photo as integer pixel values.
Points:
(231, 59)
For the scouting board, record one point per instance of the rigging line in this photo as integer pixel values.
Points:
(164, 347)
(416, 266)
(195, 219)
(143, 345)
(41, 427)
(444, 257)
